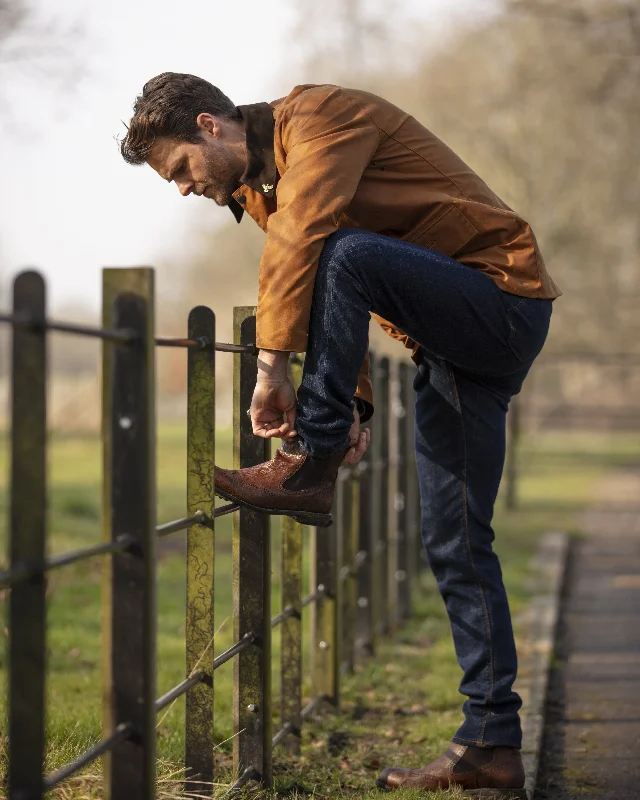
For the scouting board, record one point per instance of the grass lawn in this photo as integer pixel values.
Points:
(402, 706)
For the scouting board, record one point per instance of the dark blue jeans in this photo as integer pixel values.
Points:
(477, 345)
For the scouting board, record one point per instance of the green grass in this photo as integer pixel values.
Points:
(403, 706)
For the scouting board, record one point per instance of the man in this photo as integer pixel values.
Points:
(367, 212)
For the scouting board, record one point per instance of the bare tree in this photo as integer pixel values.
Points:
(541, 99)
(36, 47)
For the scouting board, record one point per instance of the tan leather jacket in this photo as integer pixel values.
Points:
(326, 157)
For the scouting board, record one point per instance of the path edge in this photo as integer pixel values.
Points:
(549, 568)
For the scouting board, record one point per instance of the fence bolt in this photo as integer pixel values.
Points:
(401, 575)
(253, 708)
(363, 602)
(125, 423)
(323, 645)
(321, 587)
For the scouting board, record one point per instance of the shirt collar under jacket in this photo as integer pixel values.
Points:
(261, 173)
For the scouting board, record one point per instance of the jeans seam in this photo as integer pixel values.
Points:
(465, 512)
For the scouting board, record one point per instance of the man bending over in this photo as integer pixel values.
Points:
(367, 212)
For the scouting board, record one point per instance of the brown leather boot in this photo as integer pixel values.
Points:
(292, 483)
(488, 773)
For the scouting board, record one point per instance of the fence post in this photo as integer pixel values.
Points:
(27, 644)
(348, 533)
(414, 538)
(325, 644)
(364, 616)
(251, 580)
(291, 639)
(200, 630)
(403, 572)
(380, 437)
(513, 445)
(396, 497)
(129, 603)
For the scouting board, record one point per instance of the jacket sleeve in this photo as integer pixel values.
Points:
(329, 142)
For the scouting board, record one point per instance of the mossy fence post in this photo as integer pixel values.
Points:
(349, 562)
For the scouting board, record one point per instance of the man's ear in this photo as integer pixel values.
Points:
(208, 124)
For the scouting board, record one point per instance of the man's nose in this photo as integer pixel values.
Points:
(185, 187)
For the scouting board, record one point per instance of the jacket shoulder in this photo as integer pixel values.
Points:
(327, 100)
(308, 99)
(311, 109)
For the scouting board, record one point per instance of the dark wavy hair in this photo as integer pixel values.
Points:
(169, 106)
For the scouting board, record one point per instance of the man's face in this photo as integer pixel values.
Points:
(210, 168)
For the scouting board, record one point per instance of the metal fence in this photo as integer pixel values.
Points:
(364, 566)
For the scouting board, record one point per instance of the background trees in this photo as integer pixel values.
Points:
(539, 98)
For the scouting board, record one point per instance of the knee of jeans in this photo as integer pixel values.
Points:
(343, 249)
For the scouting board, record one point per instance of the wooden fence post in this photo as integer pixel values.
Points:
(200, 629)
(348, 538)
(403, 572)
(291, 641)
(380, 457)
(325, 643)
(414, 522)
(251, 580)
(131, 691)
(364, 615)
(27, 615)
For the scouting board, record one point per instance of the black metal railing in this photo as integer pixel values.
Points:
(373, 542)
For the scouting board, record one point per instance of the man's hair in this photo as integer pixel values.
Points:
(169, 106)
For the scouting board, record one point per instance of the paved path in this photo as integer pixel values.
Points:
(592, 737)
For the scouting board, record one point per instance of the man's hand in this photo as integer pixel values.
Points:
(359, 441)
(273, 407)
(274, 404)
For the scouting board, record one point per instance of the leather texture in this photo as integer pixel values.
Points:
(469, 767)
(265, 486)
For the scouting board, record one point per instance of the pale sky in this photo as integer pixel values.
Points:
(68, 202)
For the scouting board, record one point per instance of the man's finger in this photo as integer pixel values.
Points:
(281, 432)
(349, 456)
(363, 444)
(290, 416)
(355, 453)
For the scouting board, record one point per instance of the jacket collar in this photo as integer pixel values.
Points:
(261, 173)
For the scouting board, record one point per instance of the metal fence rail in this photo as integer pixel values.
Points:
(363, 568)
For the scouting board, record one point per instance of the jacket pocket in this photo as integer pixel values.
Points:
(448, 234)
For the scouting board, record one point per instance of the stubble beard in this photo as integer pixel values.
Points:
(223, 179)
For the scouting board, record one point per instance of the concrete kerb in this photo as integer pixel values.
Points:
(537, 650)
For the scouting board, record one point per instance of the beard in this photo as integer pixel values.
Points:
(222, 177)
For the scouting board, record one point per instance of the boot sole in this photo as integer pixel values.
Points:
(483, 794)
(303, 517)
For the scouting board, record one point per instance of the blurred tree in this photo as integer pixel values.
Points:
(543, 102)
(539, 97)
(36, 47)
